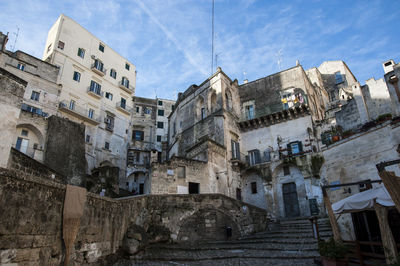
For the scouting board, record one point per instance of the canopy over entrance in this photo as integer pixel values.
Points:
(364, 200)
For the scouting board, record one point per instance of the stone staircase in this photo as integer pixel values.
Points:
(288, 242)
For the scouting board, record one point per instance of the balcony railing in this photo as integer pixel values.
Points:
(99, 70)
(128, 88)
(97, 93)
(123, 107)
(270, 109)
(79, 112)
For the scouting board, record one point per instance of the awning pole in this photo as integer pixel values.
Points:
(332, 219)
(388, 242)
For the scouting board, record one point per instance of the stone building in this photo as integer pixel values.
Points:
(39, 102)
(392, 76)
(149, 124)
(97, 84)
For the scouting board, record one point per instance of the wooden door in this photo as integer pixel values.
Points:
(290, 200)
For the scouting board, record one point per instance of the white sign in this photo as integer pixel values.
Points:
(183, 190)
(170, 172)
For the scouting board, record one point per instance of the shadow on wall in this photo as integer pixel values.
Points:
(207, 224)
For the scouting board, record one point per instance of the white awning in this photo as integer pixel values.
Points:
(364, 200)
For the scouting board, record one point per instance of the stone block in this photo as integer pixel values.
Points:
(7, 255)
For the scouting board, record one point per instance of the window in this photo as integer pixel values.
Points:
(95, 87)
(113, 73)
(295, 147)
(338, 77)
(123, 102)
(267, 155)
(24, 133)
(87, 139)
(49, 48)
(77, 76)
(158, 138)
(109, 96)
(235, 150)
(388, 63)
(81, 52)
(161, 112)
(21, 66)
(101, 47)
(72, 105)
(107, 145)
(91, 113)
(203, 113)
(333, 95)
(250, 112)
(160, 124)
(98, 65)
(174, 128)
(181, 172)
(138, 135)
(254, 157)
(286, 170)
(253, 187)
(60, 45)
(35, 96)
(125, 82)
(159, 102)
(137, 109)
(127, 66)
(147, 110)
(109, 121)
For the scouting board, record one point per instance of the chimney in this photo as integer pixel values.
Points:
(245, 81)
(297, 63)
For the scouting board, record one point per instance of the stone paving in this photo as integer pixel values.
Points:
(290, 242)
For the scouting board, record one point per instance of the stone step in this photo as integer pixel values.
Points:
(238, 245)
(223, 262)
(271, 240)
(271, 235)
(183, 255)
(293, 230)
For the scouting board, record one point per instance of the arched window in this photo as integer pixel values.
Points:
(200, 108)
(228, 97)
(213, 102)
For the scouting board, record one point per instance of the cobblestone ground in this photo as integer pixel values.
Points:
(290, 243)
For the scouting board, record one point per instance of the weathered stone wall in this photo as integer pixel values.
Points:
(354, 159)
(12, 90)
(24, 164)
(65, 149)
(37, 205)
(348, 117)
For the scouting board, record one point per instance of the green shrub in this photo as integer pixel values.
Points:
(332, 249)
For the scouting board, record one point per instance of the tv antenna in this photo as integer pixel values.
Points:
(212, 38)
(216, 59)
(15, 40)
(279, 55)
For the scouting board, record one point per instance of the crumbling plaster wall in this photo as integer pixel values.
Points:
(377, 98)
(36, 238)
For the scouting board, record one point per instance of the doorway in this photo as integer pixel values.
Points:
(194, 188)
(290, 200)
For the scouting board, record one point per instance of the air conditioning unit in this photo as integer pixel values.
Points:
(93, 57)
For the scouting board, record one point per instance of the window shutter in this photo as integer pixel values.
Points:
(142, 135)
(233, 148)
(289, 149)
(300, 146)
(238, 150)
(257, 156)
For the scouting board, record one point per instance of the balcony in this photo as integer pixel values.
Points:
(98, 69)
(79, 112)
(130, 89)
(96, 93)
(123, 108)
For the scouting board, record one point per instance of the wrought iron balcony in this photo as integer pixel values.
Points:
(79, 112)
(123, 108)
(128, 88)
(95, 92)
(98, 69)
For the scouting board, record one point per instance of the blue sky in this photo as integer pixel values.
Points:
(170, 41)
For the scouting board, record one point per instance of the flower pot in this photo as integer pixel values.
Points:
(333, 262)
(335, 138)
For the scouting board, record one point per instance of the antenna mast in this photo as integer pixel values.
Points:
(212, 39)
(15, 40)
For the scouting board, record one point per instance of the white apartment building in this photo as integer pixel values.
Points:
(97, 87)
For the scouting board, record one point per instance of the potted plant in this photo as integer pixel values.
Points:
(333, 253)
